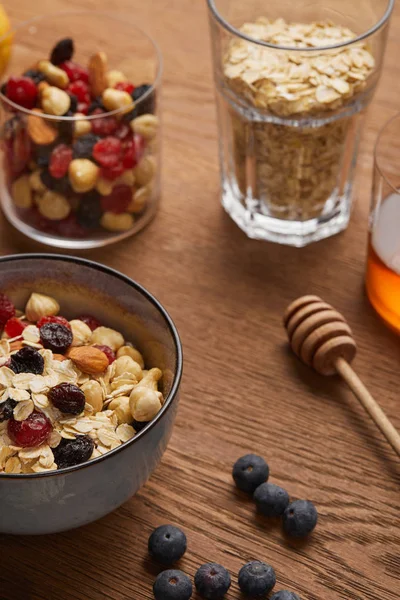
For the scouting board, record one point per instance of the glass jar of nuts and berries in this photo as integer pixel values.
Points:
(80, 130)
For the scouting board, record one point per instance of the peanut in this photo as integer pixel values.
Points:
(105, 336)
(21, 192)
(115, 222)
(114, 99)
(104, 186)
(55, 101)
(146, 126)
(83, 126)
(81, 333)
(133, 353)
(114, 77)
(40, 305)
(36, 182)
(83, 174)
(53, 206)
(139, 200)
(53, 74)
(93, 394)
(145, 170)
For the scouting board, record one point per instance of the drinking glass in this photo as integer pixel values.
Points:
(293, 80)
(383, 264)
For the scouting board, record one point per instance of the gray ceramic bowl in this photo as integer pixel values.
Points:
(68, 498)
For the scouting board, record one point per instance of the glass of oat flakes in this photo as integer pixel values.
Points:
(293, 81)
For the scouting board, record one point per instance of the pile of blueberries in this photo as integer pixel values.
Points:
(256, 579)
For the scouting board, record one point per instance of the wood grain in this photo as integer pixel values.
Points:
(243, 389)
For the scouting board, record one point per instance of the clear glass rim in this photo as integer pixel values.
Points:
(218, 17)
(119, 17)
(379, 167)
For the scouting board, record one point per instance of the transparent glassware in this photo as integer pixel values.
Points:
(383, 262)
(291, 97)
(115, 202)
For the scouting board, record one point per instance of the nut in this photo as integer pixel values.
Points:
(39, 130)
(105, 336)
(127, 178)
(116, 222)
(83, 126)
(42, 85)
(144, 404)
(133, 353)
(150, 379)
(89, 360)
(146, 126)
(53, 206)
(145, 170)
(36, 182)
(21, 192)
(114, 77)
(104, 186)
(93, 394)
(59, 357)
(53, 74)
(139, 200)
(122, 409)
(126, 364)
(55, 101)
(97, 73)
(40, 305)
(81, 333)
(114, 99)
(83, 174)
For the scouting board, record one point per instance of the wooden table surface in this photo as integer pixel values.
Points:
(242, 390)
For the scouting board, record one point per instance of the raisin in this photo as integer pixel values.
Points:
(90, 321)
(27, 360)
(7, 310)
(73, 452)
(35, 75)
(146, 106)
(89, 210)
(41, 154)
(53, 319)
(62, 51)
(68, 398)
(83, 147)
(7, 409)
(74, 104)
(56, 337)
(61, 185)
(107, 351)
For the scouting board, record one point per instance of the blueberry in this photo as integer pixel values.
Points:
(249, 472)
(89, 210)
(83, 147)
(256, 579)
(35, 75)
(96, 103)
(41, 154)
(172, 585)
(285, 595)
(7, 409)
(167, 544)
(271, 500)
(212, 581)
(62, 51)
(74, 104)
(300, 518)
(146, 106)
(61, 185)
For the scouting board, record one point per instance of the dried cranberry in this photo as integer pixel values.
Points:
(59, 161)
(103, 125)
(68, 398)
(71, 228)
(83, 107)
(129, 159)
(14, 327)
(56, 337)
(62, 51)
(107, 151)
(60, 320)
(119, 199)
(22, 91)
(90, 321)
(21, 151)
(112, 173)
(123, 131)
(107, 351)
(29, 433)
(125, 86)
(74, 71)
(7, 310)
(27, 360)
(80, 89)
(7, 409)
(73, 452)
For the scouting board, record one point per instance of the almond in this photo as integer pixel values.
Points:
(39, 130)
(88, 359)
(97, 73)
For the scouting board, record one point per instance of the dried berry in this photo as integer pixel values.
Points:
(89, 210)
(112, 173)
(42, 153)
(31, 432)
(61, 185)
(125, 86)
(83, 147)
(107, 351)
(73, 452)
(56, 337)
(22, 91)
(90, 321)
(129, 158)
(7, 409)
(35, 75)
(62, 51)
(83, 108)
(7, 310)
(66, 129)
(73, 108)
(54, 319)
(68, 398)
(70, 228)
(139, 425)
(118, 201)
(123, 131)
(107, 152)
(27, 360)
(145, 106)
(103, 125)
(74, 71)
(80, 89)
(95, 104)
(14, 327)
(59, 160)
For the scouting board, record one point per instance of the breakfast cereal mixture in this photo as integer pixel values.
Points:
(69, 390)
(297, 164)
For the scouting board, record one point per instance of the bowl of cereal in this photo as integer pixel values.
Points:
(90, 369)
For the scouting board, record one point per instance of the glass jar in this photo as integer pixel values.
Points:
(89, 176)
(293, 81)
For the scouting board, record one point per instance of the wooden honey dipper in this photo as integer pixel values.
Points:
(322, 339)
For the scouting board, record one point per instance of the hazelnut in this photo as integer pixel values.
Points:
(105, 336)
(81, 333)
(40, 305)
